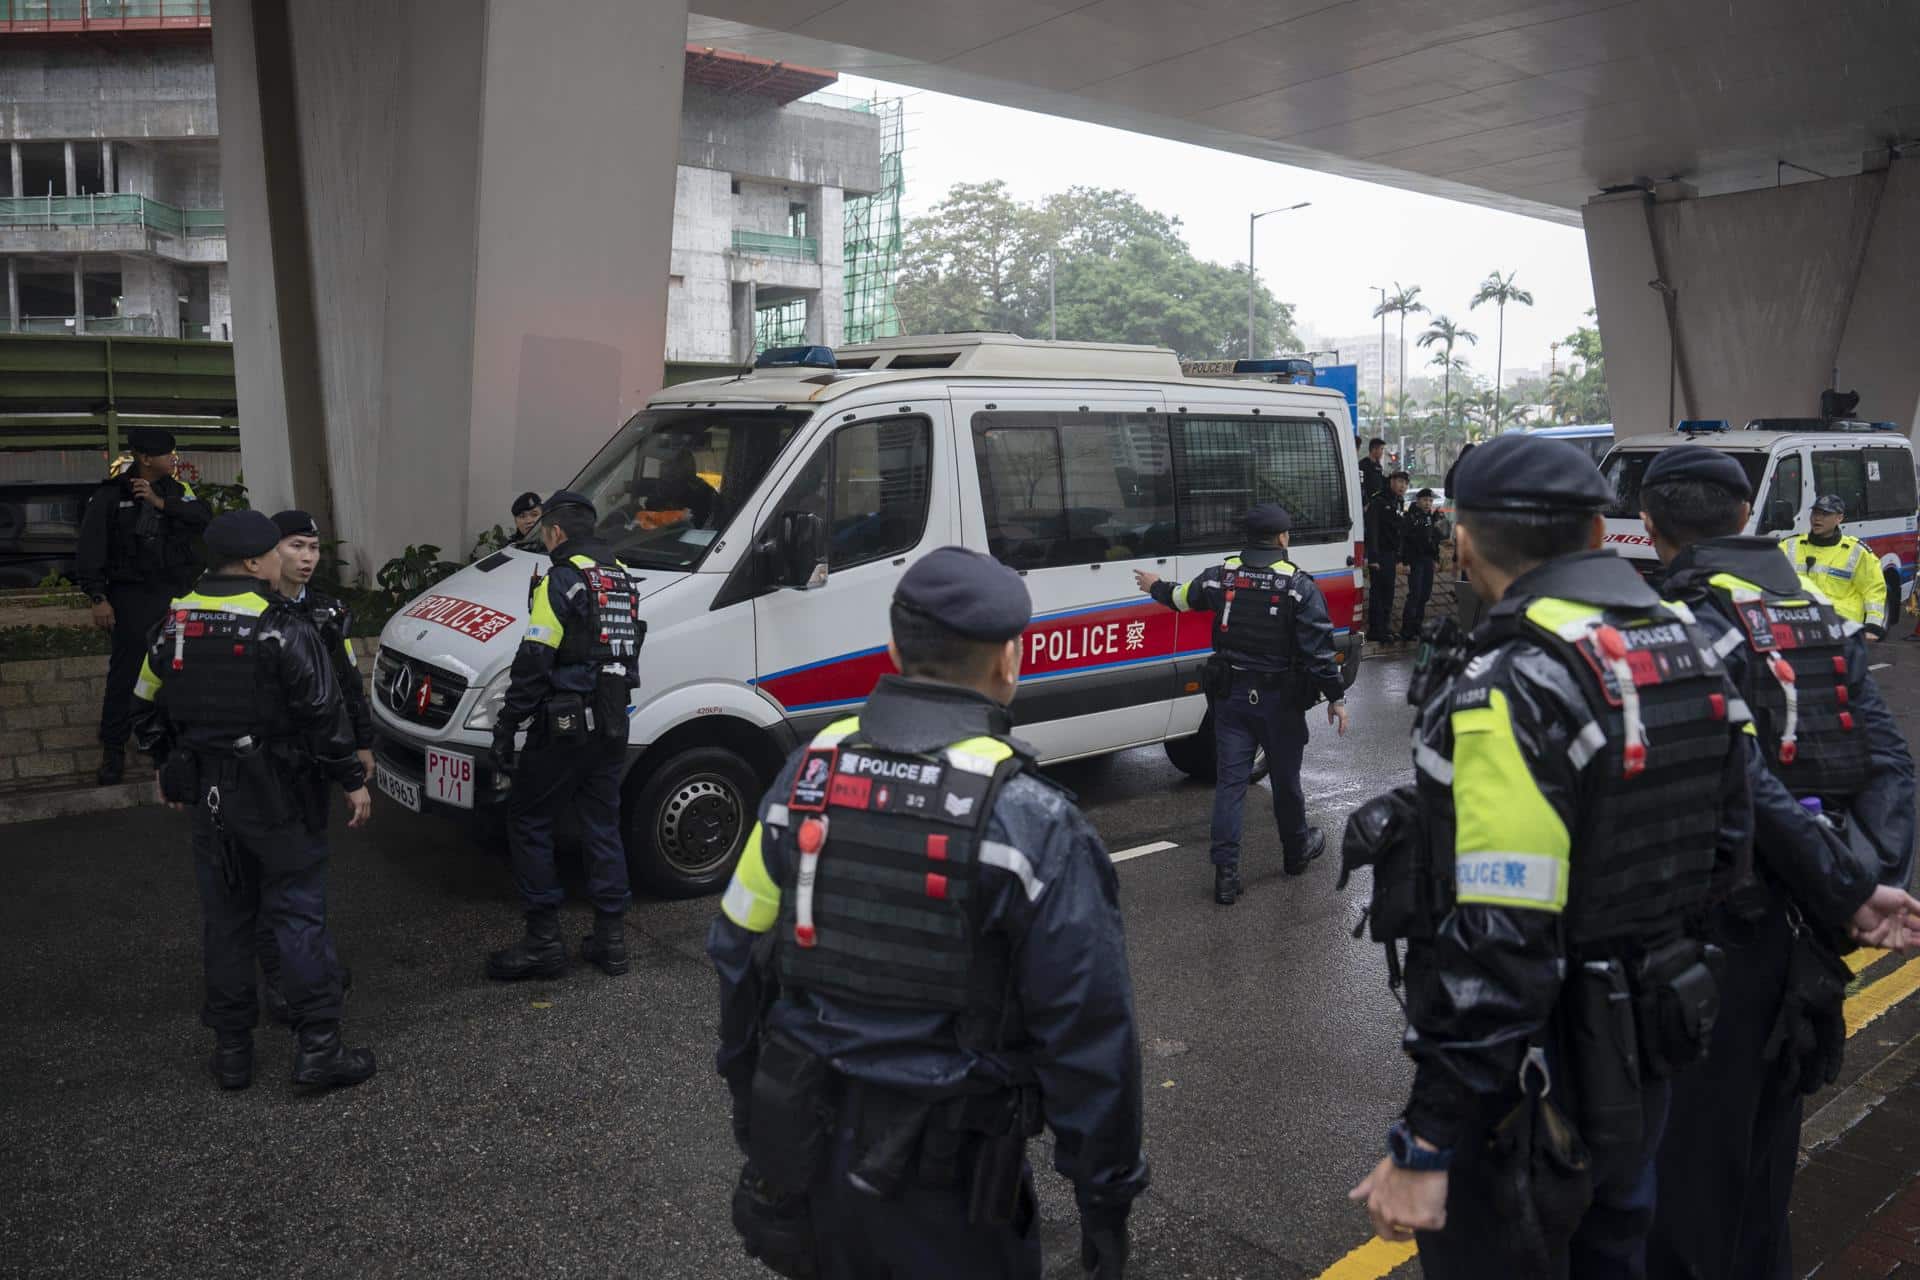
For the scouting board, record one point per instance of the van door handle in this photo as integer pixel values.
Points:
(902, 560)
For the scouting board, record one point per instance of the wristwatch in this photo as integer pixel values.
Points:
(1410, 1155)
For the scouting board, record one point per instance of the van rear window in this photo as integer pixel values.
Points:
(1223, 466)
(1624, 469)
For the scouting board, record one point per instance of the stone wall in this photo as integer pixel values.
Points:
(50, 717)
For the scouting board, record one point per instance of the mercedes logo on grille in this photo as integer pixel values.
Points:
(400, 692)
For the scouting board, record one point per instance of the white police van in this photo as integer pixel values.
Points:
(766, 519)
(1593, 439)
(1791, 462)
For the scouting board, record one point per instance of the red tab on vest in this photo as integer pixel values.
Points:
(936, 885)
(1717, 703)
(937, 848)
(850, 793)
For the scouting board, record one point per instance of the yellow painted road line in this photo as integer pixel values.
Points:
(1377, 1258)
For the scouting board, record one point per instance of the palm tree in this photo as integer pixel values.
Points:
(1500, 291)
(1446, 334)
(1400, 302)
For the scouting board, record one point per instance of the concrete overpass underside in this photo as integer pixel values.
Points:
(433, 338)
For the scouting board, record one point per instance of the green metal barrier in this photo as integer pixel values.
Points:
(86, 392)
(805, 248)
(110, 211)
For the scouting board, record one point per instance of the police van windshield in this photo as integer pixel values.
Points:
(672, 479)
(1624, 468)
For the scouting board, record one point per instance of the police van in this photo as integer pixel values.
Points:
(766, 518)
(1592, 439)
(1791, 462)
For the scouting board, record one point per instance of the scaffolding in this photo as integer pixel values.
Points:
(873, 232)
(782, 324)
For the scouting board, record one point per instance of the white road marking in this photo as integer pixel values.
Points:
(1142, 850)
(1878, 666)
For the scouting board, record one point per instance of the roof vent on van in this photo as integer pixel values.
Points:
(1819, 424)
(1693, 426)
(810, 357)
(924, 360)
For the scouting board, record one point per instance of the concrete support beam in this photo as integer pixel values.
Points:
(13, 295)
(19, 187)
(73, 171)
(108, 181)
(1777, 294)
(462, 349)
(79, 295)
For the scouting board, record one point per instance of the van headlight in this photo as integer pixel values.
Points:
(486, 712)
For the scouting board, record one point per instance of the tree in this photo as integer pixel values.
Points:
(1122, 273)
(1578, 393)
(1500, 291)
(1445, 334)
(1400, 302)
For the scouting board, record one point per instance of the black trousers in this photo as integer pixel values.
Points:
(1419, 591)
(277, 876)
(138, 608)
(548, 781)
(1381, 583)
(1609, 1244)
(1728, 1160)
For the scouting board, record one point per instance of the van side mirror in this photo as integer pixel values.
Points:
(1780, 515)
(794, 552)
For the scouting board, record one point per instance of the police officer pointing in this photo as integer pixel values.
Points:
(1273, 659)
(237, 703)
(1581, 796)
(136, 552)
(921, 959)
(573, 676)
(1825, 741)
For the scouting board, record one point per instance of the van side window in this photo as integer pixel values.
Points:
(1074, 488)
(1840, 471)
(870, 482)
(1890, 483)
(1223, 466)
(1781, 511)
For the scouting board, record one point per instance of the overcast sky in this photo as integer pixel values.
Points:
(1321, 259)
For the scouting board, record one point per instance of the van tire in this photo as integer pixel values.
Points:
(686, 820)
(1193, 755)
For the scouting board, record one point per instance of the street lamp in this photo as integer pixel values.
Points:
(1252, 280)
(1380, 406)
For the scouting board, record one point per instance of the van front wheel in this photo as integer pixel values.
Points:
(1193, 756)
(687, 820)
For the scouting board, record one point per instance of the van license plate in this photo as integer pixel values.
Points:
(392, 784)
(449, 778)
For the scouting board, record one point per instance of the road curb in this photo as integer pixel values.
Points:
(71, 797)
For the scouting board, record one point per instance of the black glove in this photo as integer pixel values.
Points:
(774, 1229)
(504, 755)
(1811, 1030)
(1103, 1241)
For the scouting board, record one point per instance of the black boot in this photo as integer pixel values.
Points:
(1226, 885)
(1312, 847)
(540, 954)
(606, 946)
(232, 1061)
(320, 1061)
(113, 766)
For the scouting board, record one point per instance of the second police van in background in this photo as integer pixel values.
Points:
(767, 518)
(1791, 462)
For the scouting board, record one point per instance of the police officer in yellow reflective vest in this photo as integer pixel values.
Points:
(572, 681)
(1826, 743)
(1580, 799)
(1840, 566)
(1272, 660)
(921, 960)
(237, 703)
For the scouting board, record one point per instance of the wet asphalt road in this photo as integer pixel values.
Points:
(576, 1127)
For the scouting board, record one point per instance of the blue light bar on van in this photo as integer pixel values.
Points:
(1691, 425)
(1293, 368)
(797, 357)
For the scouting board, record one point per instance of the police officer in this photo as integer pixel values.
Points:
(1273, 659)
(923, 938)
(1385, 531)
(1824, 735)
(572, 679)
(299, 557)
(136, 553)
(1426, 533)
(1840, 566)
(526, 513)
(237, 702)
(1581, 791)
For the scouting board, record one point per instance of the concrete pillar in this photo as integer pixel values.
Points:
(79, 295)
(498, 340)
(108, 182)
(13, 295)
(19, 187)
(1777, 294)
(73, 172)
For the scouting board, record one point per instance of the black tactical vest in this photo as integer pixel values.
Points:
(1255, 616)
(611, 636)
(882, 903)
(211, 652)
(1796, 685)
(1661, 733)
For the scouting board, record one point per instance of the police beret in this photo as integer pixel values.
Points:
(966, 592)
(566, 498)
(1268, 519)
(525, 502)
(151, 441)
(1699, 464)
(1520, 472)
(241, 535)
(291, 523)
(1831, 504)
